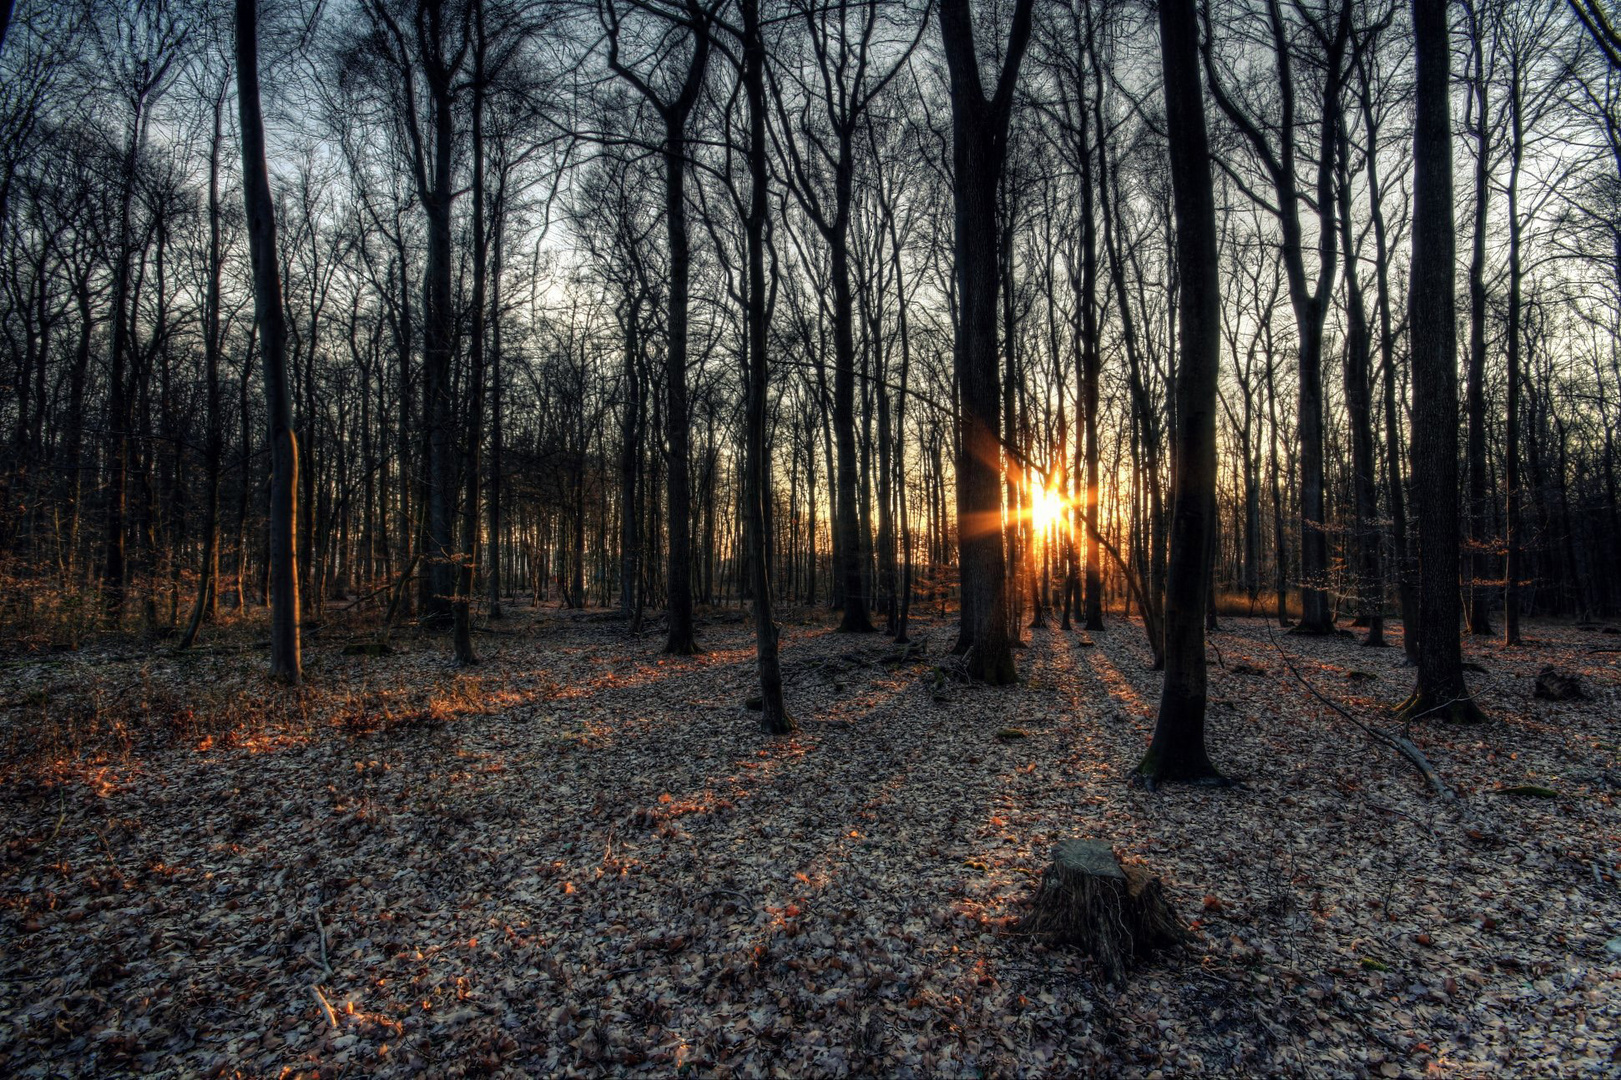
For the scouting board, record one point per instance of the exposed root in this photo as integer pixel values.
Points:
(1457, 710)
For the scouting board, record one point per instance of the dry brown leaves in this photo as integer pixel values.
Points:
(581, 858)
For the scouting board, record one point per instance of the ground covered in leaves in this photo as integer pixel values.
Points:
(580, 858)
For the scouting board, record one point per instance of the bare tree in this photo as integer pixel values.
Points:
(285, 663)
(1177, 750)
(693, 18)
(979, 138)
(1431, 308)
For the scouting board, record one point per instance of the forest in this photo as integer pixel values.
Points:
(963, 538)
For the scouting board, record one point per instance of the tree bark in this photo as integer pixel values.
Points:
(467, 558)
(774, 718)
(979, 149)
(285, 663)
(682, 640)
(208, 575)
(1511, 442)
(1431, 314)
(1177, 750)
(1478, 616)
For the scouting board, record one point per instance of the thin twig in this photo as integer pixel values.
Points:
(331, 1017)
(320, 934)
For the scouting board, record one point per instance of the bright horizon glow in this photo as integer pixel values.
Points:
(1046, 505)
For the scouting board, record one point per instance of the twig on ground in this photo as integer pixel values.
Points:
(326, 1006)
(1401, 744)
(320, 934)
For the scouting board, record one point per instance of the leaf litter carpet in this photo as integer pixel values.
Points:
(580, 858)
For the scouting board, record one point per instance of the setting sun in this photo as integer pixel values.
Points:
(1046, 505)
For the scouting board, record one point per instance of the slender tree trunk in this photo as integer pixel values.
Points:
(774, 718)
(1091, 346)
(682, 639)
(438, 329)
(630, 457)
(497, 546)
(208, 575)
(1359, 406)
(118, 413)
(1480, 561)
(467, 562)
(851, 551)
(1512, 570)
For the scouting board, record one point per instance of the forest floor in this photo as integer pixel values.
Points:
(580, 857)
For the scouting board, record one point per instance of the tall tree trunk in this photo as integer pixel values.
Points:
(496, 545)
(1359, 406)
(682, 640)
(208, 575)
(1091, 346)
(1511, 443)
(774, 718)
(1478, 617)
(261, 213)
(467, 561)
(1431, 313)
(118, 409)
(1309, 300)
(847, 514)
(1177, 750)
(674, 112)
(438, 330)
(630, 456)
(979, 149)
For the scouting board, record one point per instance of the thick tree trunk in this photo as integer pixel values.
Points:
(1431, 313)
(285, 664)
(1177, 751)
(979, 148)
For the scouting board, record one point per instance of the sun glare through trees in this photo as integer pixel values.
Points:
(813, 538)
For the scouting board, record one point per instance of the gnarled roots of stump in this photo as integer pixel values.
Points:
(1114, 913)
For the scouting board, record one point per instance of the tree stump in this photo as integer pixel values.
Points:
(1556, 685)
(1111, 912)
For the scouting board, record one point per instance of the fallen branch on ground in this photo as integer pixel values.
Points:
(1401, 744)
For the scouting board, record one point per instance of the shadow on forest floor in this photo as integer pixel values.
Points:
(580, 855)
